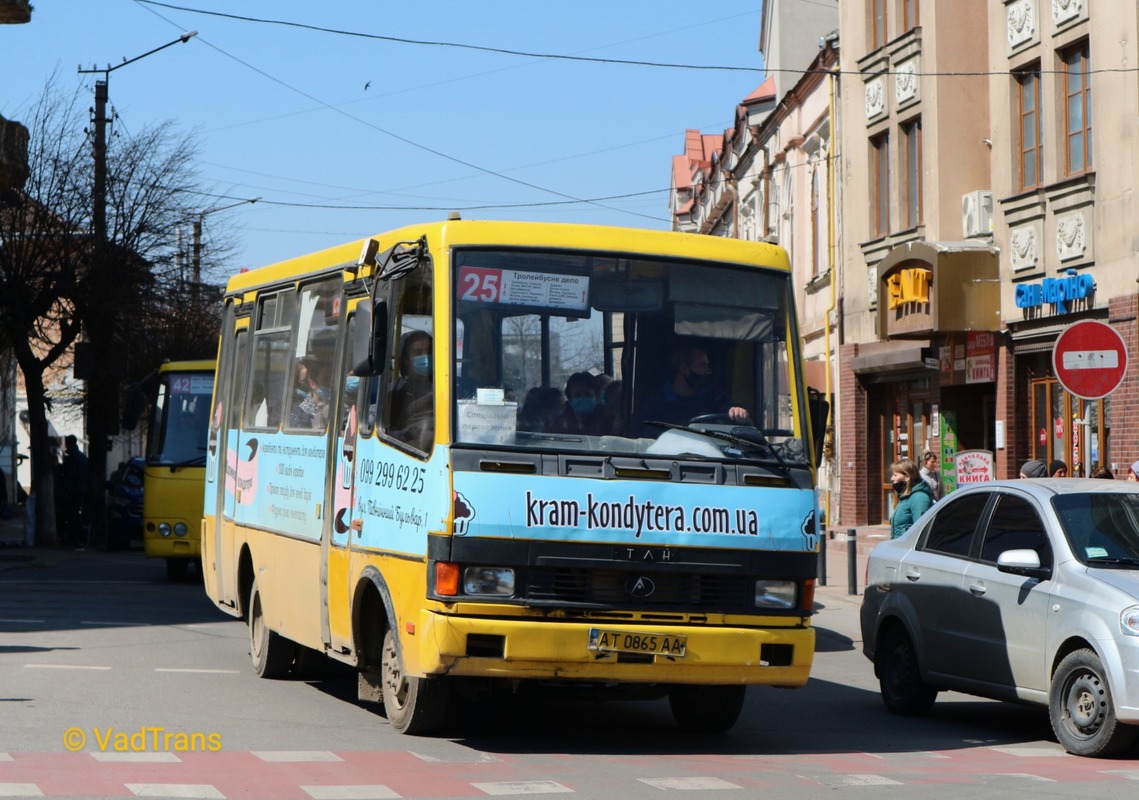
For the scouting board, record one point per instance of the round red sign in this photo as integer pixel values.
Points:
(1089, 359)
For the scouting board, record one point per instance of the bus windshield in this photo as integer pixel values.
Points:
(625, 355)
(180, 419)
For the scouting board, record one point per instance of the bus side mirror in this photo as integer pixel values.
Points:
(369, 339)
(820, 409)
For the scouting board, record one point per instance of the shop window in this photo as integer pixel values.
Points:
(1067, 428)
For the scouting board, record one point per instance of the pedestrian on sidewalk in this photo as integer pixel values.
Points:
(914, 496)
(1034, 469)
(929, 474)
(73, 491)
(1057, 469)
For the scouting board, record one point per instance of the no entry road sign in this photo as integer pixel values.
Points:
(1089, 359)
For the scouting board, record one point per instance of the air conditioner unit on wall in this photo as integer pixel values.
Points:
(977, 213)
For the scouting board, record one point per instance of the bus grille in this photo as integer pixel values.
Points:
(629, 589)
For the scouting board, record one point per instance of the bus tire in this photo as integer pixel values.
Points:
(706, 709)
(415, 706)
(272, 653)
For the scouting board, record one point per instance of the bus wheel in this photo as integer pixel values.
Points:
(272, 653)
(176, 569)
(706, 709)
(414, 706)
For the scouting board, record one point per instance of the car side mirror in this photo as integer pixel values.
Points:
(1022, 562)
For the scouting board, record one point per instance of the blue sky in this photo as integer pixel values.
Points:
(344, 136)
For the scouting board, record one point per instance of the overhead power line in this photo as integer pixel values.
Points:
(621, 61)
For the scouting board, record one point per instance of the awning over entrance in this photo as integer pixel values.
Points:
(891, 357)
(932, 287)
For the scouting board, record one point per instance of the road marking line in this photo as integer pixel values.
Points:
(868, 780)
(281, 756)
(199, 791)
(482, 758)
(689, 784)
(141, 757)
(1128, 774)
(208, 671)
(1025, 775)
(24, 621)
(63, 666)
(1038, 751)
(102, 623)
(522, 787)
(20, 790)
(377, 792)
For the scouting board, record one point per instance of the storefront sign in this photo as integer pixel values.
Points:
(948, 465)
(980, 357)
(974, 466)
(1058, 292)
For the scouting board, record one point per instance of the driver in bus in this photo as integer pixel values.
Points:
(691, 391)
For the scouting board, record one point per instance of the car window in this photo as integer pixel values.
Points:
(952, 529)
(1100, 526)
(1015, 525)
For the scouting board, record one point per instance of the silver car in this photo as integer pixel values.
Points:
(1023, 590)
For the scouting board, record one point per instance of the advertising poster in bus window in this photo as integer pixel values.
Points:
(279, 483)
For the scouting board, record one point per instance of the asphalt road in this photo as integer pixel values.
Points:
(153, 689)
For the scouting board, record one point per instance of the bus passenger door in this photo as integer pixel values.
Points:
(221, 568)
(336, 575)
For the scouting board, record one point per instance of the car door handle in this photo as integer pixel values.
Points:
(913, 575)
(977, 589)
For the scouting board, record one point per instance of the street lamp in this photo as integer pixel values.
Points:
(100, 327)
(99, 211)
(197, 248)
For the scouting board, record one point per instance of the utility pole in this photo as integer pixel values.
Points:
(95, 361)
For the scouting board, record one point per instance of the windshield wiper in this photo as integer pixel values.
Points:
(1113, 560)
(741, 437)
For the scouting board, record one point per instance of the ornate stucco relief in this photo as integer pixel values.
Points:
(1066, 10)
(1071, 236)
(906, 82)
(1023, 245)
(1021, 18)
(875, 99)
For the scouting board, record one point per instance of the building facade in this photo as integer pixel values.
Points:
(977, 228)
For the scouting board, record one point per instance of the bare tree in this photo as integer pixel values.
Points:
(59, 283)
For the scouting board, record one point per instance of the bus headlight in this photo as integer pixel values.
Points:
(774, 594)
(164, 528)
(180, 529)
(488, 581)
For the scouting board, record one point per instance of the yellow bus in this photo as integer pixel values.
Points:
(467, 455)
(174, 477)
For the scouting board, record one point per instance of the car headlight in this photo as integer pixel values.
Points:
(180, 529)
(488, 581)
(774, 594)
(1129, 621)
(164, 528)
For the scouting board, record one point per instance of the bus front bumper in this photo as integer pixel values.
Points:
(528, 648)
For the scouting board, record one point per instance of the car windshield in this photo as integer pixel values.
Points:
(634, 355)
(1101, 527)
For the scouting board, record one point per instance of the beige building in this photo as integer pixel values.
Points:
(770, 177)
(976, 229)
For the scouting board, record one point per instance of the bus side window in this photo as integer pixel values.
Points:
(408, 384)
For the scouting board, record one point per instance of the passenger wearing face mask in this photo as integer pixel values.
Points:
(580, 412)
(412, 398)
(914, 496)
(691, 391)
